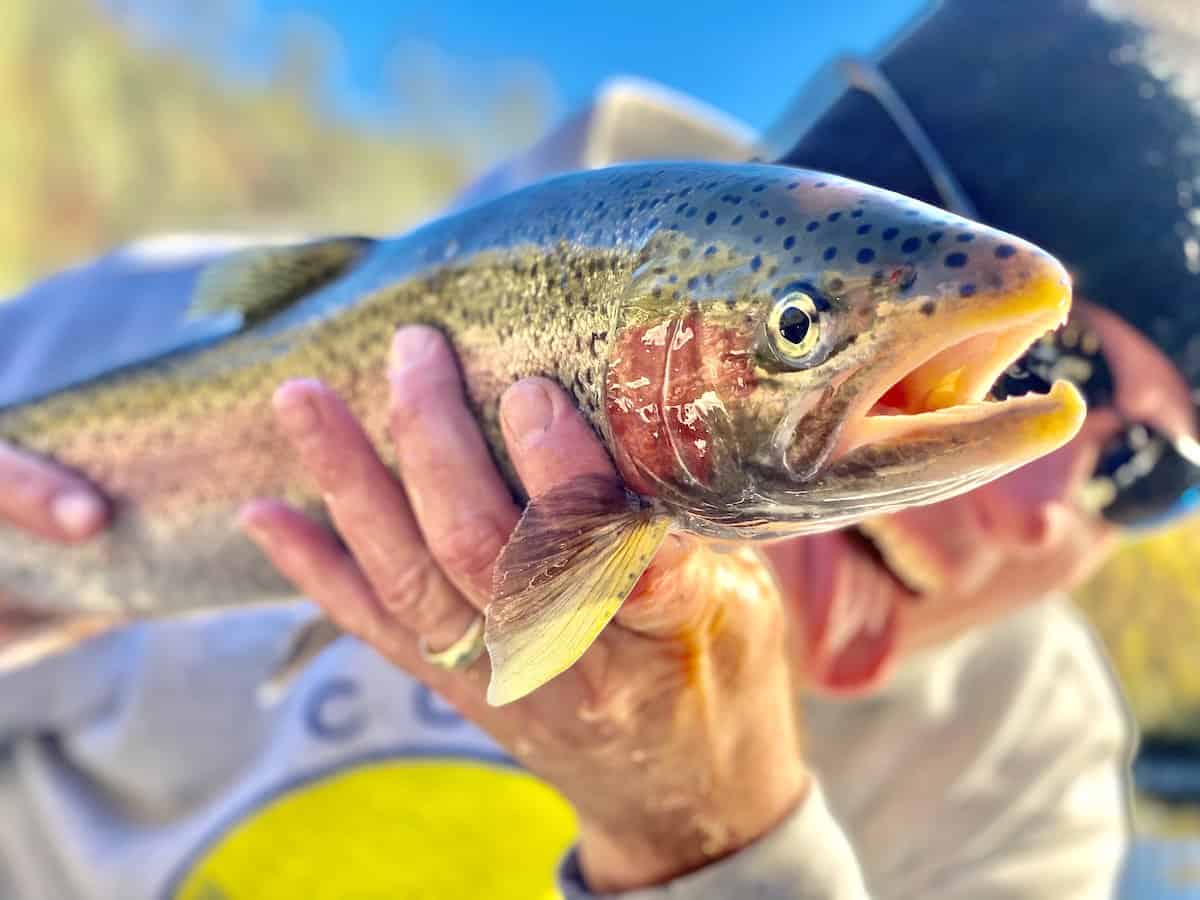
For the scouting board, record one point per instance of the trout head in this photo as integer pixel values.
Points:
(798, 352)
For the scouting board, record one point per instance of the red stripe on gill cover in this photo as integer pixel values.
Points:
(665, 435)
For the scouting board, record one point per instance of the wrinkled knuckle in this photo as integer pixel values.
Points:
(469, 549)
(408, 594)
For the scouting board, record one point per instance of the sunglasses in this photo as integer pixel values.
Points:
(1143, 479)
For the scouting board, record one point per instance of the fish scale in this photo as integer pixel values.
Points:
(649, 293)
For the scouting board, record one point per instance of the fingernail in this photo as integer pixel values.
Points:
(77, 512)
(297, 413)
(251, 527)
(527, 411)
(409, 347)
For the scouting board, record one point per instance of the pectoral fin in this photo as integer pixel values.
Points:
(262, 281)
(575, 555)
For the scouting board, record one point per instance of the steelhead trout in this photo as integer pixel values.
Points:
(764, 351)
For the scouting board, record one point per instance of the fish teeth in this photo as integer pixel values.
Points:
(907, 559)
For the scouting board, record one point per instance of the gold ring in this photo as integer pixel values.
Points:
(461, 653)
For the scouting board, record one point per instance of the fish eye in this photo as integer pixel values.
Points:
(794, 327)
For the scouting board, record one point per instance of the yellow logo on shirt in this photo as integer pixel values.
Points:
(395, 829)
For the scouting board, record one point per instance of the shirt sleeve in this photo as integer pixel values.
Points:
(806, 857)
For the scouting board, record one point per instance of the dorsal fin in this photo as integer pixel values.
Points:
(262, 281)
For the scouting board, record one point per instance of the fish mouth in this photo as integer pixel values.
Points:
(935, 398)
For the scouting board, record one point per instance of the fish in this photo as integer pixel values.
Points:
(764, 351)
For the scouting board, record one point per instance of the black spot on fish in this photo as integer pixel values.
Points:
(863, 229)
(889, 233)
(737, 220)
(710, 218)
(911, 245)
(956, 260)
(684, 252)
(693, 282)
(1005, 251)
(812, 226)
(830, 253)
(789, 242)
(758, 239)
(966, 290)
(763, 214)
(928, 308)
(793, 185)
(965, 238)
(756, 263)
(857, 214)
(780, 220)
(934, 237)
(865, 255)
(834, 216)
(759, 188)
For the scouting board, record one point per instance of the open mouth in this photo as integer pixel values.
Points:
(940, 398)
(944, 390)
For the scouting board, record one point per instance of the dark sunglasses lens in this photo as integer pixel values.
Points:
(1149, 482)
(1072, 353)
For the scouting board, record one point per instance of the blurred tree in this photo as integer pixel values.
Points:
(115, 131)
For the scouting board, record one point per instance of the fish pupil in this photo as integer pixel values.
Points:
(794, 325)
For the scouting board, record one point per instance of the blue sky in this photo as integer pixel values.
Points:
(747, 58)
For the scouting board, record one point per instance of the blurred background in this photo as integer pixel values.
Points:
(134, 117)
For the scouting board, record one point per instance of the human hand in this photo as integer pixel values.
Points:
(50, 502)
(674, 737)
(47, 500)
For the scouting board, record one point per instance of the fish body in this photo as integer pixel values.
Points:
(764, 352)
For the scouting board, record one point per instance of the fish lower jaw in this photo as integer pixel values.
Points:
(1034, 423)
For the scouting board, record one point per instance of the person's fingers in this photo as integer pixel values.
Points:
(548, 439)
(310, 557)
(462, 504)
(307, 555)
(370, 512)
(47, 500)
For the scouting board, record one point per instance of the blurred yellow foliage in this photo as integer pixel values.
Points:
(1146, 604)
(107, 139)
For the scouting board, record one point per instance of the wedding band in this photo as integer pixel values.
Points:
(461, 653)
